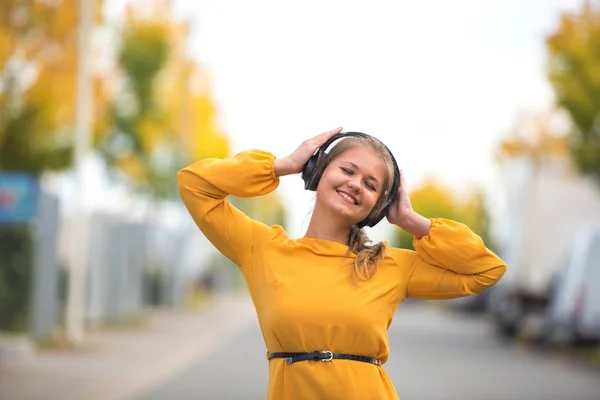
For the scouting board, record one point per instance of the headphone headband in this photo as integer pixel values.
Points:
(312, 171)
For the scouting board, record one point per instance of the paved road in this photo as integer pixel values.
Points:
(435, 355)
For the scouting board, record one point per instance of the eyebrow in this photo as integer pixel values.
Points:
(356, 166)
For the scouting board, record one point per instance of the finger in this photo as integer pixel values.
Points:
(333, 131)
(323, 137)
(402, 181)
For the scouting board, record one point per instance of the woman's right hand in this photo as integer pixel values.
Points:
(294, 163)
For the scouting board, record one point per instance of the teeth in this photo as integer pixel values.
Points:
(347, 197)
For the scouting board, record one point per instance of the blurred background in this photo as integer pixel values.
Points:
(490, 107)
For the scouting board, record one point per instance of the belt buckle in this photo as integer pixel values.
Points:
(330, 356)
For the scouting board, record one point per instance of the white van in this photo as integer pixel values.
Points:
(573, 314)
(546, 204)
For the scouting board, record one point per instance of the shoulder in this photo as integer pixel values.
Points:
(399, 254)
(402, 258)
(277, 232)
(264, 234)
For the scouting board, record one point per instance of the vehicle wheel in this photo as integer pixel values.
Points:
(508, 317)
(560, 336)
(505, 329)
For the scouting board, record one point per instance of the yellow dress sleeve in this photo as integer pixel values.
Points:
(204, 187)
(451, 261)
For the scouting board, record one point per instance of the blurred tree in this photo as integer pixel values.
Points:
(162, 117)
(574, 62)
(207, 139)
(38, 61)
(433, 199)
(536, 136)
(476, 216)
(134, 134)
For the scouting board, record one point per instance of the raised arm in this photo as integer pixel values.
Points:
(450, 261)
(204, 187)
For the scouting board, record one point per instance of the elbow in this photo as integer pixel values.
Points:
(489, 278)
(502, 271)
(182, 179)
(181, 175)
(499, 272)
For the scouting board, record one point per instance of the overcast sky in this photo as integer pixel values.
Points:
(439, 82)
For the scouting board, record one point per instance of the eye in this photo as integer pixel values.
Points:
(346, 170)
(371, 186)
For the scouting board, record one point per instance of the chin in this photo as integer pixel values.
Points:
(344, 214)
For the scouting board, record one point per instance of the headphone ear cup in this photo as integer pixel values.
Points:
(308, 172)
(375, 219)
(372, 221)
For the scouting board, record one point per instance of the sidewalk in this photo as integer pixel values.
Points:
(122, 363)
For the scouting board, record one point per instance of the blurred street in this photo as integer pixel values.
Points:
(435, 355)
(218, 354)
(120, 362)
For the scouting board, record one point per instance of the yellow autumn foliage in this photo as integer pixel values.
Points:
(43, 37)
(205, 137)
(534, 136)
(132, 166)
(5, 44)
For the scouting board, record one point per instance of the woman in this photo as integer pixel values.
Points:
(325, 301)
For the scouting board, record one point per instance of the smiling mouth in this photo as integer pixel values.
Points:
(348, 198)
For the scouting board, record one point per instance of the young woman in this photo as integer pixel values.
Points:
(325, 301)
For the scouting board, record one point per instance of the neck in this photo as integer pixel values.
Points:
(323, 226)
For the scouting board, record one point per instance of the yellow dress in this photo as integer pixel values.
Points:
(303, 291)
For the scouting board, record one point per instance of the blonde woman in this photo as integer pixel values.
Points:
(324, 301)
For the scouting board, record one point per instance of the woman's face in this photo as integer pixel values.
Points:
(352, 183)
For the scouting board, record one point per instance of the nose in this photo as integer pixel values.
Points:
(353, 185)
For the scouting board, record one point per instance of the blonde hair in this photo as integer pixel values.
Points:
(368, 255)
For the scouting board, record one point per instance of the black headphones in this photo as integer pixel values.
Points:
(313, 169)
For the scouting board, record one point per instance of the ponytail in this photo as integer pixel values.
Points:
(367, 256)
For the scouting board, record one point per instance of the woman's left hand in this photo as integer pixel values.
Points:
(401, 208)
(402, 214)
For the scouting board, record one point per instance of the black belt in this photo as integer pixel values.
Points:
(324, 356)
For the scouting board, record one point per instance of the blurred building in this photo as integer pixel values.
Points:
(547, 205)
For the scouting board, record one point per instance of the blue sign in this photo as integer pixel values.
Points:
(18, 197)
